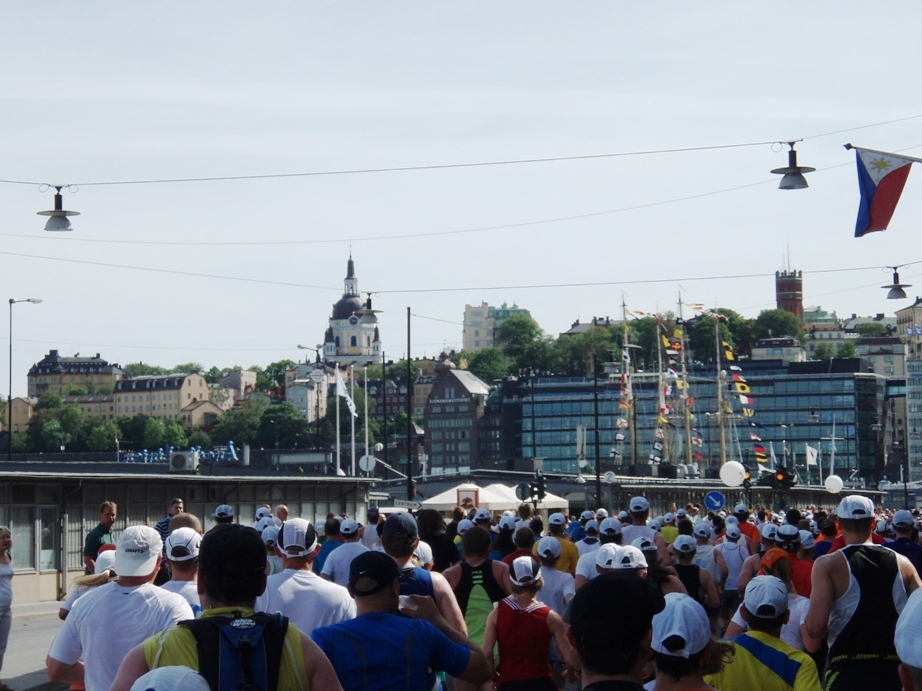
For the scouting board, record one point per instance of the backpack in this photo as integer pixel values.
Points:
(240, 653)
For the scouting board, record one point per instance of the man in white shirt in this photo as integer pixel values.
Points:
(297, 592)
(107, 622)
(336, 567)
(370, 533)
(182, 546)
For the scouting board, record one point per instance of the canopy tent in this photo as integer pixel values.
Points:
(495, 497)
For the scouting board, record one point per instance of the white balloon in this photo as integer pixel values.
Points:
(732, 473)
(834, 484)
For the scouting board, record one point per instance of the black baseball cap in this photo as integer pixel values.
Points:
(610, 610)
(373, 570)
(400, 523)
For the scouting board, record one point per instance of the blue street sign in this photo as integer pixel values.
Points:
(715, 501)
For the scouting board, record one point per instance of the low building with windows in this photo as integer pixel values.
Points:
(482, 323)
(784, 349)
(55, 373)
(452, 417)
(160, 396)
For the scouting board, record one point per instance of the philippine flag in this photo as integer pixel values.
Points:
(881, 178)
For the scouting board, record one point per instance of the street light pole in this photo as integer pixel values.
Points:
(9, 400)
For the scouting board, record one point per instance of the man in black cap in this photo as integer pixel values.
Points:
(611, 627)
(394, 646)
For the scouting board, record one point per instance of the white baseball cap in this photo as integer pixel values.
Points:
(681, 513)
(855, 506)
(464, 525)
(908, 637)
(903, 519)
(105, 560)
(703, 530)
(592, 524)
(297, 538)
(669, 517)
(224, 511)
(349, 527)
(606, 555)
(732, 520)
(507, 523)
(483, 515)
(807, 540)
(171, 679)
(137, 550)
(769, 531)
(556, 519)
(263, 512)
(639, 504)
(270, 534)
(766, 597)
(733, 531)
(610, 526)
(787, 533)
(685, 544)
(186, 538)
(741, 508)
(684, 617)
(549, 547)
(586, 515)
(524, 571)
(644, 544)
(423, 552)
(601, 515)
(629, 557)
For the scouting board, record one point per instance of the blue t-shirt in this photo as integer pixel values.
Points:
(909, 549)
(324, 552)
(575, 531)
(387, 652)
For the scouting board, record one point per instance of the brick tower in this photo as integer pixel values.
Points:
(789, 291)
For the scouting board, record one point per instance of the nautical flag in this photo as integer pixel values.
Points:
(757, 424)
(620, 423)
(746, 400)
(697, 441)
(728, 351)
(658, 446)
(624, 404)
(662, 419)
(665, 341)
(738, 377)
(341, 391)
(734, 368)
(811, 455)
(881, 178)
(677, 333)
(909, 331)
(759, 450)
(698, 456)
(658, 433)
(764, 469)
(754, 436)
(690, 401)
(619, 437)
(741, 387)
(749, 412)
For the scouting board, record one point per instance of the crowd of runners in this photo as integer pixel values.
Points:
(748, 599)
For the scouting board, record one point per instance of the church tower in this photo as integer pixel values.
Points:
(352, 335)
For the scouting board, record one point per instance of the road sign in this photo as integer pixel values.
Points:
(367, 463)
(610, 478)
(715, 501)
(523, 491)
(317, 376)
(404, 504)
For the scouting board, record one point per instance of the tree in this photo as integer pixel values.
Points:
(846, 350)
(139, 369)
(262, 381)
(200, 438)
(398, 371)
(776, 324)
(488, 364)
(102, 436)
(132, 430)
(282, 426)
(49, 401)
(53, 436)
(824, 351)
(154, 434)
(517, 334)
(871, 330)
(238, 425)
(275, 371)
(213, 375)
(174, 434)
(186, 367)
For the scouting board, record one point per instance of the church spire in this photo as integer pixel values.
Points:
(351, 283)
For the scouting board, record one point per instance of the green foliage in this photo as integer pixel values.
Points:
(213, 375)
(824, 351)
(132, 430)
(53, 436)
(200, 438)
(281, 426)
(263, 383)
(187, 367)
(174, 434)
(777, 324)
(102, 436)
(139, 369)
(74, 390)
(871, 330)
(49, 401)
(736, 330)
(573, 354)
(488, 364)
(846, 350)
(154, 434)
(275, 371)
(517, 333)
(239, 425)
(398, 371)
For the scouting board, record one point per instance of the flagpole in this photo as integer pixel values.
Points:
(352, 384)
(338, 438)
(885, 153)
(365, 382)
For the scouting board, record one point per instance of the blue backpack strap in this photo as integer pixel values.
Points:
(416, 581)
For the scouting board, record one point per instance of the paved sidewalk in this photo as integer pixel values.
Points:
(34, 628)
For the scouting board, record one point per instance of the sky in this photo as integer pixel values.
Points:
(239, 272)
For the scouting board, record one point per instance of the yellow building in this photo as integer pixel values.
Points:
(57, 374)
(161, 396)
(101, 406)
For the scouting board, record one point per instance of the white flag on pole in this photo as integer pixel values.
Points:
(341, 391)
(764, 468)
(811, 456)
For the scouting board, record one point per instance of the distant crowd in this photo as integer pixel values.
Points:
(748, 599)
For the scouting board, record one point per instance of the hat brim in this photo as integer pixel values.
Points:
(128, 565)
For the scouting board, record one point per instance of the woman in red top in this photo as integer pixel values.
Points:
(523, 628)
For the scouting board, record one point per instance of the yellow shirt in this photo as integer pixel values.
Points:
(569, 555)
(766, 663)
(669, 533)
(176, 646)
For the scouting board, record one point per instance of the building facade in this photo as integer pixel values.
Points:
(453, 411)
(482, 323)
(161, 396)
(55, 373)
(789, 291)
(352, 335)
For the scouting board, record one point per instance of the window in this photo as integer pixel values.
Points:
(23, 528)
(352, 341)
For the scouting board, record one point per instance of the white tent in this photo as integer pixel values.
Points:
(495, 497)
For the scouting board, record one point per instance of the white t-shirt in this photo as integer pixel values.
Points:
(107, 622)
(585, 567)
(585, 547)
(336, 567)
(629, 533)
(275, 564)
(557, 585)
(370, 536)
(75, 594)
(790, 632)
(189, 591)
(306, 599)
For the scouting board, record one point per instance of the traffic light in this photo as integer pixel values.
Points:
(783, 479)
(747, 477)
(539, 488)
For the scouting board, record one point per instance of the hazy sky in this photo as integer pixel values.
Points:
(95, 91)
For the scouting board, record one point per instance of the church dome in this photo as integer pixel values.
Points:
(346, 306)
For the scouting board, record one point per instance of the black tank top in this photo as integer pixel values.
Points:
(481, 575)
(867, 637)
(690, 575)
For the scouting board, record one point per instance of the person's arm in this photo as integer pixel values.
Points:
(320, 672)
(663, 548)
(89, 563)
(722, 565)
(821, 599)
(501, 576)
(133, 667)
(63, 673)
(452, 575)
(580, 581)
(477, 670)
(489, 640)
(737, 624)
(448, 604)
(909, 574)
(747, 572)
(711, 597)
(558, 630)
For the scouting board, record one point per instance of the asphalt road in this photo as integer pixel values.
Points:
(34, 628)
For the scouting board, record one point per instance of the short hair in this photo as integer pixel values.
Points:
(828, 527)
(476, 542)
(675, 665)
(685, 526)
(524, 537)
(524, 511)
(331, 527)
(108, 505)
(757, 623)
(457, 513)
(185, 520)
(856, 525)
(232, 563)
(430, 522)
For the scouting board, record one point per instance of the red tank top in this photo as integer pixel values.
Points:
(524, 641)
